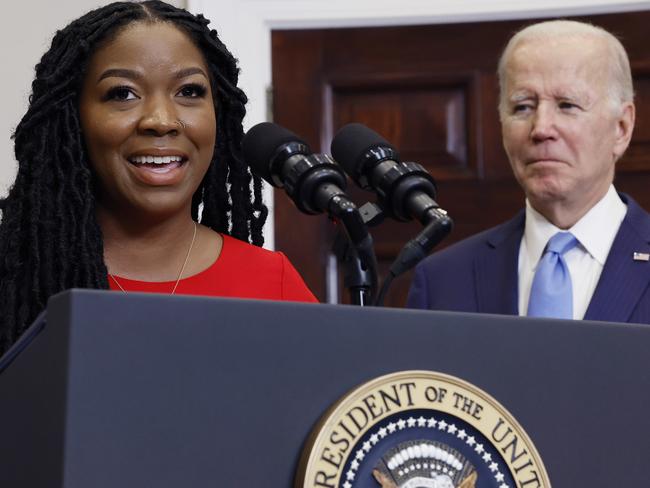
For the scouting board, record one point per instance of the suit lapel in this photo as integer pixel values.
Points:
(496, 268)
(623, 279)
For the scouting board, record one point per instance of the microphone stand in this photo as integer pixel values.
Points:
(356, 279)
(356, 251)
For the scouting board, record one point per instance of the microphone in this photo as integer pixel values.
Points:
(314, 182)
(405, 190)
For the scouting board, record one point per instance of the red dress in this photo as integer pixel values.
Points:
(241, 271)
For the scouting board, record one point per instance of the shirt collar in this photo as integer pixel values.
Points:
(595, 231)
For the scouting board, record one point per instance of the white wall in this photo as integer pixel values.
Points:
(26, 30)
(245, 27)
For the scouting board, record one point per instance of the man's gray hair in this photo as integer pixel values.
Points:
(620, 83)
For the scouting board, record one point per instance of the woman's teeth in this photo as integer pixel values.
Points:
(156, 159)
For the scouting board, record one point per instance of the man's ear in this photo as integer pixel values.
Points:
(624, 129)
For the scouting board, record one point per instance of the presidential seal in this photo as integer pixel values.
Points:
(419, 429)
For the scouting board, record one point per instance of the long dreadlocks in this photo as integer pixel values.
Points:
(49, 236)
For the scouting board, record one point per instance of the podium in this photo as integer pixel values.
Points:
(139, 390)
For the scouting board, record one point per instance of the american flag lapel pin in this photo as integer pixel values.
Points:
(641, 256)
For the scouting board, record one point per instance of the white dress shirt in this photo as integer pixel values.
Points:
(595, 233)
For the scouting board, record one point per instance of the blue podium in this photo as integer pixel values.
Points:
(111, 390)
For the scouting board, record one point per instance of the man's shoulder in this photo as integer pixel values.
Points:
(448, 279)
(637, 217)
(623, 291)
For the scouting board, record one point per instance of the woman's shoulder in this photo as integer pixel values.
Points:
(235, 249)
(263, 268)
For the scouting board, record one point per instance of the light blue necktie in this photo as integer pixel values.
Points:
(551, 294)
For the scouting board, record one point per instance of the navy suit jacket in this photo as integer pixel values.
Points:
(479, 274)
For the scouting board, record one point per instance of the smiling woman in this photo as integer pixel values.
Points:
(130, 172)
(149, 123)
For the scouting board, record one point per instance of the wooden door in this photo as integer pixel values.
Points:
(432, 92)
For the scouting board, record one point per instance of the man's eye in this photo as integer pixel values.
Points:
(521, 108)
(193, 91)
(567, 105)
(120, 93)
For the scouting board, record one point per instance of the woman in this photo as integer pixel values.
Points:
(132, 138)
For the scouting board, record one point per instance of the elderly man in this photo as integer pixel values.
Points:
(579, 249)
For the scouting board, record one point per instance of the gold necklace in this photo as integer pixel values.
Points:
(187, 258)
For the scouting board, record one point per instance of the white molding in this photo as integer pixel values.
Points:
(245, 26)
(297, 14)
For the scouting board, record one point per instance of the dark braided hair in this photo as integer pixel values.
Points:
(50, 239)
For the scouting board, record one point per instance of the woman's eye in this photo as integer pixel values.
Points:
(120, 93)
(192, 91)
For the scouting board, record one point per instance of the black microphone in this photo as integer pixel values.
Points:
(316, 184)
(405, 190)
(313, 181)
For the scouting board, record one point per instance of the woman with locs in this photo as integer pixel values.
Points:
(130, 175)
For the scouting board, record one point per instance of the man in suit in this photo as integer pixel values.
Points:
(578, 249)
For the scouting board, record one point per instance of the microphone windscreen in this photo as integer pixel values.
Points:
(261, 143)
(352, 142)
